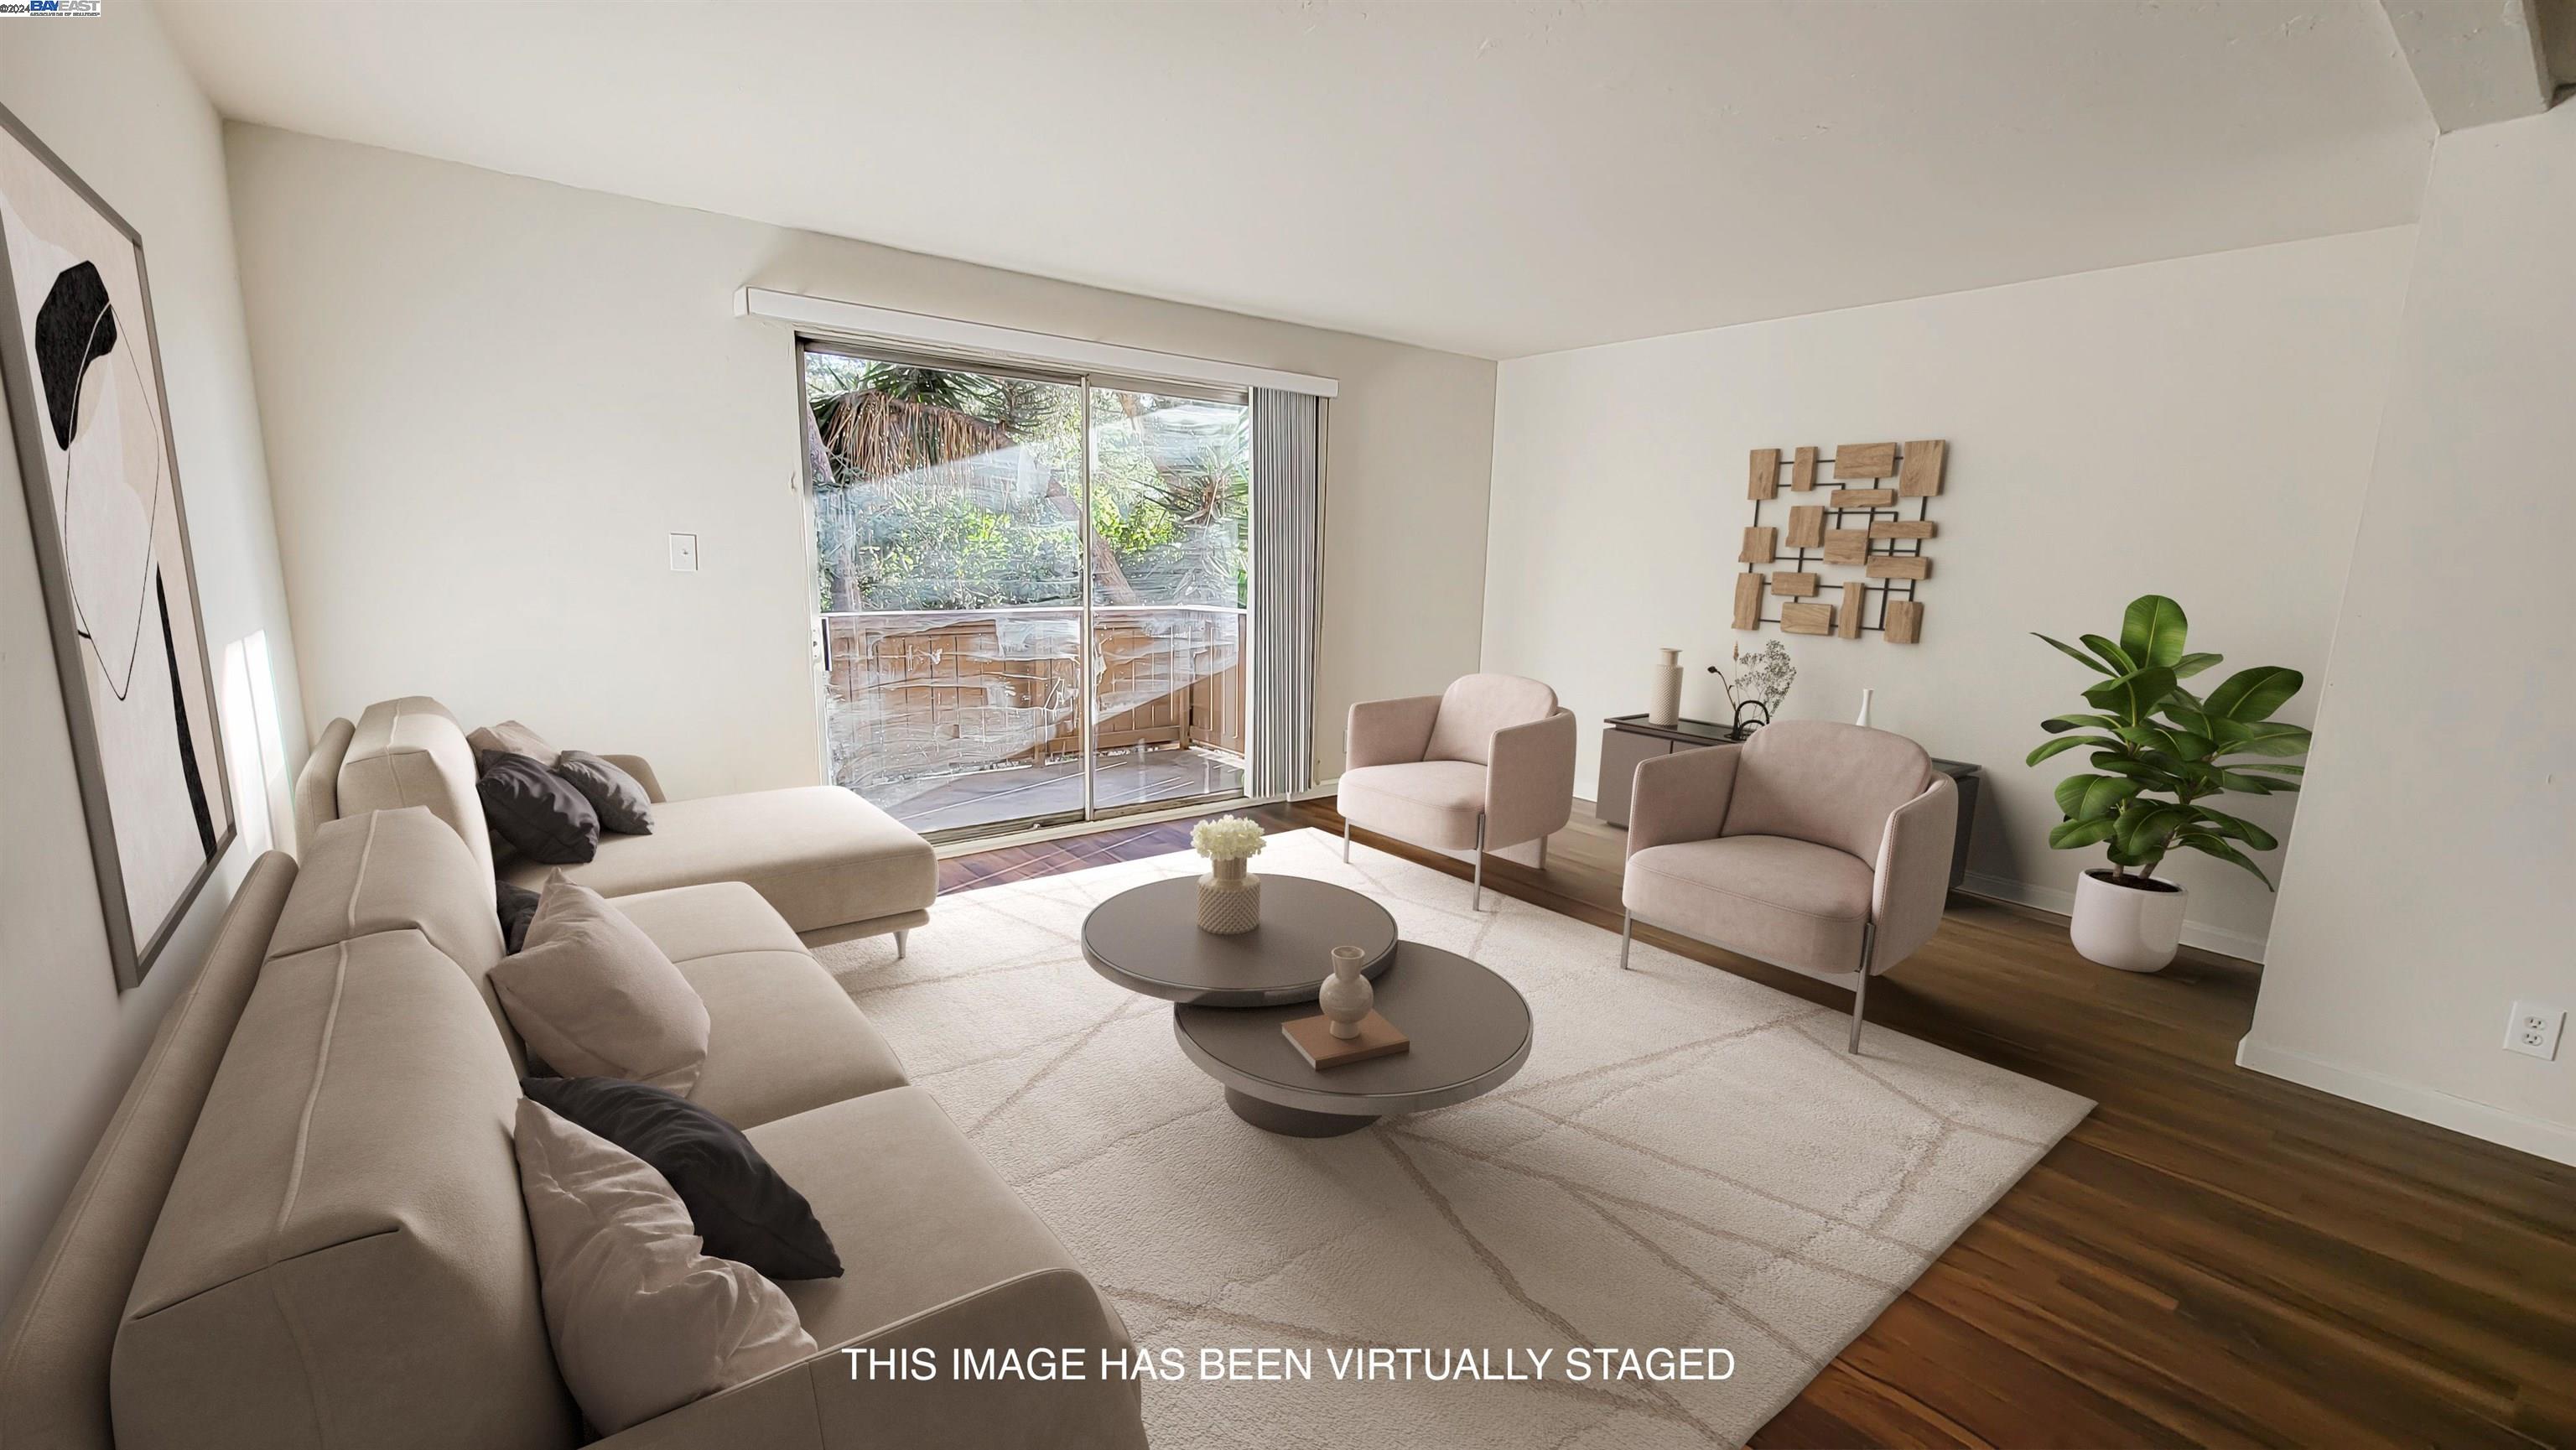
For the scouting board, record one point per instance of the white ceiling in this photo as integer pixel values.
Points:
(1498, 179)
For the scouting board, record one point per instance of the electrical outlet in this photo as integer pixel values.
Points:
(2533, 1030)
(684, 553)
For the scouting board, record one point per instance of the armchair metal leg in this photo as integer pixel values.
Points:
(1476, 902)
(1346, 840)
(902, 939)
(1627, 930)
(1860, 992)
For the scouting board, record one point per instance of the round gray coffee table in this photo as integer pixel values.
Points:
(1147, 940)
(1470, 1031)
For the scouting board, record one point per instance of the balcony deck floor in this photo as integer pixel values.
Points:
(1121, 778)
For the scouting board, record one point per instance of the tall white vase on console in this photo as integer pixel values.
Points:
(1865, 697)
(1664, 701)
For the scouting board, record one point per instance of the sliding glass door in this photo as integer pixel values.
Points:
(1030, 589)
(1171, 490)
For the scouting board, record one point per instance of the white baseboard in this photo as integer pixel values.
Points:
(2194, 934)
(2553, 1141)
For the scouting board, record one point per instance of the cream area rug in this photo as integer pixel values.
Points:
(1688, 1160)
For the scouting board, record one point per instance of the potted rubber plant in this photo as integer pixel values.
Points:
(2160, 755)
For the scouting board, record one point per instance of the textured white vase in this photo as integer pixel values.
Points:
(1229, 899)
(1664, 701)
(1865, 697)
(1346, 996)
(2125, 927)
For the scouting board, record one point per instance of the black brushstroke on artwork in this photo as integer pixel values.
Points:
(74, 328)
(179, 712)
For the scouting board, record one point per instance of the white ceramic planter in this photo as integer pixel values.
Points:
(2125, 927)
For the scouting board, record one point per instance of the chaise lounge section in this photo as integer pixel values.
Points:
(835, 867)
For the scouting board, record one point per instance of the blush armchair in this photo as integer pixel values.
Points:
(1815, 846)
(1488, 765)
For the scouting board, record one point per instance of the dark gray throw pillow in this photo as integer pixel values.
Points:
(518, 906)
(740, 1206)
(620, 800)
(535, 810)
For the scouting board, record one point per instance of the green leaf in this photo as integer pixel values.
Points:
(2152, 631)
(2240, 829)
(2190, 717)
(2136, 860)
(2060, 724)
(2269, 769)
(2190, 665)
(2251, 695)
(2072, 653)
(2110, 651)
(2075, 834)
(2064, 743)
(2088, 797)
(2208, 844)
(2146, 831)
(2260, 737)
(2135, 769)
(2253, 784)
(2133, 696)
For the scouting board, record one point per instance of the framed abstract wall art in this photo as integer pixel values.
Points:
(82, 368)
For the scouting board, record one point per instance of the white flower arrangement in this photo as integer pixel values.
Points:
(1227, 838)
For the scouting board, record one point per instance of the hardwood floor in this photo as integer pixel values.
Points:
(2214, 1257)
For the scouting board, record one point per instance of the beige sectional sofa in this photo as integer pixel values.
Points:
(834, 866)
(304, 1226)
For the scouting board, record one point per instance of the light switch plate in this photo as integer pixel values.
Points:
(2533, 1029)
(684, 553)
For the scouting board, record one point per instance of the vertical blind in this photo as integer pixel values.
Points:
(1287, 586)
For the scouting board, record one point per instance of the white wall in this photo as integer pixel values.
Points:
(2435, 881)
(112, 100)
(2199, 428)
(488, 400)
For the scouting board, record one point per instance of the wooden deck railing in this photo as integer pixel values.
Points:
(926, 692)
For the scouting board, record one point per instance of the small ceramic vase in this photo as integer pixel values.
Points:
(1229, 898)
(1346, 996)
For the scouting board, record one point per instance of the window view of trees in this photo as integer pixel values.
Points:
(954, 490)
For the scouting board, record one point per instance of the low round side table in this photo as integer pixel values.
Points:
(1470, 1030)
(1147, 940)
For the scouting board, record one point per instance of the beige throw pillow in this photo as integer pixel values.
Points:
(514, 738)
(641, 1321)
(593, 997)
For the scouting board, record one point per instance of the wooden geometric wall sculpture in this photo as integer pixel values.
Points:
(1846, 546)
(1807, 618)
(1748, 600)
(1864, 460)
(1764, 480)
(1807, 526)
(1868, 526)
(1922, 475)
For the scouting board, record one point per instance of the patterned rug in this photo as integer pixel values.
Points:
(1688, 1159)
